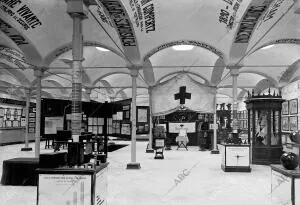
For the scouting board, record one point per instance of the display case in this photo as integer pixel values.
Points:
(264, 123)
(285, 185)
(235, 157)
(72, 186)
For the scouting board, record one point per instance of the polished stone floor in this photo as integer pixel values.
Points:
(183, 177)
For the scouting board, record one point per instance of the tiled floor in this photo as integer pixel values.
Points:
(158, 181)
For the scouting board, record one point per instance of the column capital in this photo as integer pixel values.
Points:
(27, 91)
(77, 9)
(39, 72)
(134, 72)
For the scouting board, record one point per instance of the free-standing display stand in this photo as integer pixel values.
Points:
(235, 158)
(285, 185)
(159, 144)
(72, 186)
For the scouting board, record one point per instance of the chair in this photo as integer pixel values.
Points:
(182, 142)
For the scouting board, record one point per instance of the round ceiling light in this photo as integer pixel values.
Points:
(183, 47)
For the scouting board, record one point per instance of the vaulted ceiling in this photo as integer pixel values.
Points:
(260, 37)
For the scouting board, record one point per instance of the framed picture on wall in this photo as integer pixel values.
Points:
(293, 123)
(293, 106)
(2, 111)
(285, 108)
(285, 123)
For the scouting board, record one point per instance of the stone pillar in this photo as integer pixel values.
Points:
(215, 147)
(133, 164)
(27, 148)
(149, 147)
(38, 74)
(234, 74)
(78, 12)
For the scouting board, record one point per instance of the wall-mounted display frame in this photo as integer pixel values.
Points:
(285, 123)
(293, 106)
(285, 108)
(2, 112)
(293, 122)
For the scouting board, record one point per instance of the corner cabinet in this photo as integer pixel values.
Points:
(264, 123)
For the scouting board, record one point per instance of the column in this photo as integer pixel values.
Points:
(149, 147)
(133, 164)
(234, 74)
(215, 147)
(27, 148)
(77, 12)
(38, 74)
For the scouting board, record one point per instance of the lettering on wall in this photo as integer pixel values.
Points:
(249, 21)
(144, 14)
(12, 33)
(121, 20)
(103, 15)
(227, 15)
(13, 56)
(21, 13)
(185, 42)
(272, 11)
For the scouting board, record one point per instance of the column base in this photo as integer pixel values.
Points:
(215, 151)
(133, 165)
(26, 149)
(149, 150)
(168, 148)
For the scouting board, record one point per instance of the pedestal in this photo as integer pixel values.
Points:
(26, 149)
(285, 185)
(134, 165)
(215, 151)
(235, 158)
(72, 186)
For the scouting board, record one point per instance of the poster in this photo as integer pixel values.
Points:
(52, 124)
(175, 127)
(23, 121)
(119, 115)
(285, 108)
(142, 115)
(293, 106)
(64, 189)
(125, 129)
(285, 123)
(293, 123)
(101, 187)
(1, 111)
(100, 121)
(237, 156)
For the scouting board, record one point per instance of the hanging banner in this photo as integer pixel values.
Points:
(171, 95)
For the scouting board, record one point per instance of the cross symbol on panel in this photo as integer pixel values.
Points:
(182, 95)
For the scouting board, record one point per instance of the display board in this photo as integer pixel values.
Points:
(237, 156)
(52, 124)
(280, 188)
(175, 127)
(64, 189)
(101, 187)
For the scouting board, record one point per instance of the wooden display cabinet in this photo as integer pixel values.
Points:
(264, 127)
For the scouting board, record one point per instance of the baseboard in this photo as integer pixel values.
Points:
(19, 142)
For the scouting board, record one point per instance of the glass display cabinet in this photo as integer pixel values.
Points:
(264, 127)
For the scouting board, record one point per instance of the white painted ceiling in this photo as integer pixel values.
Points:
(155, 27)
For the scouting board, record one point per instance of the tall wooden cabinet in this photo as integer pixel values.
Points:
(264, 127)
